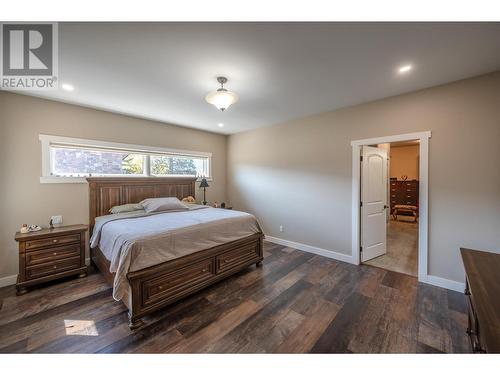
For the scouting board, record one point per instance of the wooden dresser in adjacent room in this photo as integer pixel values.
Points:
(50, 254)
(403, 192)
(483, 295)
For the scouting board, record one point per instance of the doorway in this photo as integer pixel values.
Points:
(390, 232)
(398, 251)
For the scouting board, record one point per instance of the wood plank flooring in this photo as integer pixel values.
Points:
(296, 303)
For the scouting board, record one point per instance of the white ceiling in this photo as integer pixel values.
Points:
(280, 71)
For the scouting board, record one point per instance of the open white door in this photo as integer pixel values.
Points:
(373, 202)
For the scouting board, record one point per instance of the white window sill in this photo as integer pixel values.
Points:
(81, 180)
(62, 180)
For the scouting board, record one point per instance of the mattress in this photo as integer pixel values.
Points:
(134, 241)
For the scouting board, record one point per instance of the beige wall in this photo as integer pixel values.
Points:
(25, 200)
(298, 174)
(404, 161)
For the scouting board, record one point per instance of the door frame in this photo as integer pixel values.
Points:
(423, 224)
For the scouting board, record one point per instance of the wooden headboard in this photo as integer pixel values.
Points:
(106, 192)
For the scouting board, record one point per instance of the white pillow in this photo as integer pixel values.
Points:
(163, 204)
(125, 208)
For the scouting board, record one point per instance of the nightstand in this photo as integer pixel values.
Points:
(50, 254)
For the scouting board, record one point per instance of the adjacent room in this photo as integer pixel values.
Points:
(250, 187)
(401, 252)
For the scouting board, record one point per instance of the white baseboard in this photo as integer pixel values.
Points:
(311, 249)
(429, 279)
(8, 280)
(444, 283)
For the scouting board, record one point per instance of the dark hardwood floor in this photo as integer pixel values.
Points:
(296, 303)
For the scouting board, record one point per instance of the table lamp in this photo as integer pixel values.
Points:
(204, 185)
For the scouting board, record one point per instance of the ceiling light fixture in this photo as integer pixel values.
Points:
(221, 125)
(67, 87)
(405, 69)
(222, 98)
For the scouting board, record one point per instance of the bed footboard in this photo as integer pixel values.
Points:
(155, 287)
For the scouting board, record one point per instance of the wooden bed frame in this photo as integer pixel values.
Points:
(155, 287)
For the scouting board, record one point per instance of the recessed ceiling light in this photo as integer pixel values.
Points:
(67, 87)
(221, 125)
(405, 68)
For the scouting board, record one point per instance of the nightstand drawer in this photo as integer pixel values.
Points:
(53, 254)
(46, 269)
(53, 241)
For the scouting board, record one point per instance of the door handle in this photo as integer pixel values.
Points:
(385, 206)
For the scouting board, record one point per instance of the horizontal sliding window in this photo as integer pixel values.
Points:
(76, 158)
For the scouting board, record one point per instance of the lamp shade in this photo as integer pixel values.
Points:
(222, 98)
(204, 183)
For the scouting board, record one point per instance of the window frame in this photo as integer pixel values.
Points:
(49, 140)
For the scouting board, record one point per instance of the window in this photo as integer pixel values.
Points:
(161, 165)
(70, 160)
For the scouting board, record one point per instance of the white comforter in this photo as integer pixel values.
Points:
(135, 241)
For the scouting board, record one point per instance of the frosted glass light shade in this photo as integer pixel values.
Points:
(222, 98)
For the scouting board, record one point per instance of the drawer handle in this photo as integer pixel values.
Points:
(54, 241)
(160, 287)
(204, 270)
(55, 267)
(55, 253)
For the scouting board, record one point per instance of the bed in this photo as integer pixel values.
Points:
(151, 268)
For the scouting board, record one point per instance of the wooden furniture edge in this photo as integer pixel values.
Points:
(57, 231)
(487, 338)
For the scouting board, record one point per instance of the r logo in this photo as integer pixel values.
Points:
(27, 49)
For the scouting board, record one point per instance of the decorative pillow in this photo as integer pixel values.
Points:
(189, 199)
(126, 208)
(163, 204)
